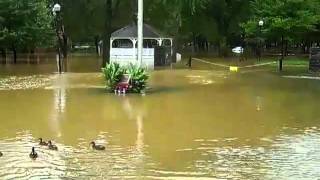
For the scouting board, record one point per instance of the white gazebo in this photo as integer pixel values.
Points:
(123, 46)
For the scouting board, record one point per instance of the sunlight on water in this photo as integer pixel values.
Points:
(25, 82)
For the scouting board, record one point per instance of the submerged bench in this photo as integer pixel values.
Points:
(124, 85)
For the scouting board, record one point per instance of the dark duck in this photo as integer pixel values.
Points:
(33, 154)
(52, 147)
(97, 147)
(42, 143)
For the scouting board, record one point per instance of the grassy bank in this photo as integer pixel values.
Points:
(291, 65)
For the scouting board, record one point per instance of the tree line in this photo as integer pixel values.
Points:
(199, 25)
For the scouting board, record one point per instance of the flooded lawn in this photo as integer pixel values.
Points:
(191, 124)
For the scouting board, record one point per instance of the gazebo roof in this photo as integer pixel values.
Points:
(131, 31)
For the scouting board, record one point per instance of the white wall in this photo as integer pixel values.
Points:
(127, 56)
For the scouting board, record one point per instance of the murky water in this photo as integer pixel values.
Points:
(191, 124)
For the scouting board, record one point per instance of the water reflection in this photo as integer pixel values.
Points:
(136, 113)
(195, 125)
(16, 164)
(59, 94)
(259, 103)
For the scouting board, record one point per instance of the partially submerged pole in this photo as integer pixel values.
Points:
(140, 31)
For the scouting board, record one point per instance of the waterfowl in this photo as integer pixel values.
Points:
(42, 143)
(33, 154)
(1, 154)
(97, 147)
(52, 147)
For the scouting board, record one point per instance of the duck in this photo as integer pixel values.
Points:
(33, 154)
(52, 147)
(1, 154)
(42, 143)
(97, 147)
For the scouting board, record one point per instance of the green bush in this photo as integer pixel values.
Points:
(114, 72)
(139, 78)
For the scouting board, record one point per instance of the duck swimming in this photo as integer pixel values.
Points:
(42, 143)
(33, 154)
(52, 147)
(1, 154)
(97, 147)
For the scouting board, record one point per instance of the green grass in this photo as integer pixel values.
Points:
(294, 61)
(291, 65)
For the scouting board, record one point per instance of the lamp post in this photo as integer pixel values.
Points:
(56, 12)
(261, 23)
(140, 32)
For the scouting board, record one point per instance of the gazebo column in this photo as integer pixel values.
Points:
(110, 50)
(160, 41)
(134, 41)
(111, 41)
(171, 45)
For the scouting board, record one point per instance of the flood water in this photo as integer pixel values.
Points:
(191, 124)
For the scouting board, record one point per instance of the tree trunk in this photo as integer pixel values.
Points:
(96, 43)
(308, 46)
(194, 42)
(282, 53)
(3, 55)
(32, 56)
(174, 45)
(286, 48)
(207, 45)
(107, 33)
(14, 50)
(65, 45)
(65, 51)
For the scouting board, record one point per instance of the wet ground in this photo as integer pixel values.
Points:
(204, 123)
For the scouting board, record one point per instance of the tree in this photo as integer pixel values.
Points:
(200, 22)
(173, 16)
(25, 24)
(284, 19)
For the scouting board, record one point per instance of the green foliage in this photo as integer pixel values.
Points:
(113, 74)
(216, 21)
(139, 78)
(93, 16)
(25, 23)
(289, 18)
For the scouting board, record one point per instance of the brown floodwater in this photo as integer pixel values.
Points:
(203, 123)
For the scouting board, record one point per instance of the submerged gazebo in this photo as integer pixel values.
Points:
(157, 49)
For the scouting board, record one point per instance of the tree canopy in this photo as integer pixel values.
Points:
(289, 18)
(220, 23)
(25, 24)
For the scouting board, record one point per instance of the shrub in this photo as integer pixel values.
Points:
(139, 78)
(113, 74)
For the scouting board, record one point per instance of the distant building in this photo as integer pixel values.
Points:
(157, 49)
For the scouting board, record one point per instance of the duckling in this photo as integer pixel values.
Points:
(97, 147)
(33, 154)
(52, 147)
(42, 143)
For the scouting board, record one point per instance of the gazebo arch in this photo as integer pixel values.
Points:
(123, 47)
